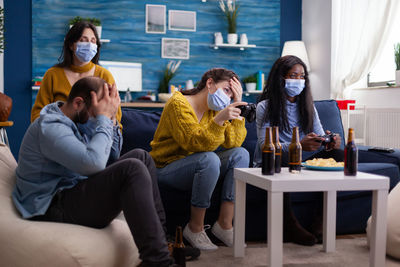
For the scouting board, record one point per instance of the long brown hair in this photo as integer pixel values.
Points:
(274, 93)
(73, 35)
(217, 74)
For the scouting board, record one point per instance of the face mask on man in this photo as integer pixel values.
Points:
(218, 101)
(85, 51)
(294, 87)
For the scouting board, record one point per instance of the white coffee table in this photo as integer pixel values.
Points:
(307, 181)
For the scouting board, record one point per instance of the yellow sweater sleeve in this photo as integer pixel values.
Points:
(235, 133)
(187, 131)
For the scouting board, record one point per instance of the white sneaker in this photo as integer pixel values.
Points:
(198, 240)
(225, 236)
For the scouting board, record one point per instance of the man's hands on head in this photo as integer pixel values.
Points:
(108, 104)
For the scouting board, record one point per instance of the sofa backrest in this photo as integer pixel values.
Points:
(140, 125)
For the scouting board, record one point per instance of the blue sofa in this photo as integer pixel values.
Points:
(353, 208)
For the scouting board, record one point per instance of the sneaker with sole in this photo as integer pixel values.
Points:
(225, 236)
(198, 240)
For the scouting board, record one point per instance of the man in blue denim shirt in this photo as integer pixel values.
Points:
(62, 172)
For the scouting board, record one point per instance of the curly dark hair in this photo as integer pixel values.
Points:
(274, 92)
(73, 35)
(217, 74)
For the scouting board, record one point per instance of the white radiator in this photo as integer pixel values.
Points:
(374, 126)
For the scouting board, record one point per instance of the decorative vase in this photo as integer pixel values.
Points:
(5, 107)
(251, 87)
(232, 38)
(98, 29)
(243, 39)
(397, 77)
(218, 38)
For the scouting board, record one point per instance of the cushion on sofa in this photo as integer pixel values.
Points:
(31, 243)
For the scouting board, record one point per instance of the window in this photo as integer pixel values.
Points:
(384, 70)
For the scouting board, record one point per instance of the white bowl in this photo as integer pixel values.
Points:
(163, 97)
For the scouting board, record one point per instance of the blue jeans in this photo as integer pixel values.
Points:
(201, 171)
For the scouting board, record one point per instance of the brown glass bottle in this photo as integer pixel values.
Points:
(178, 252)
(278, 149)
(268, 154)
(350, 155)
(295, 152)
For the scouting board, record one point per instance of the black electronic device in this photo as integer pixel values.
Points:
(328, 138)
(381, 149)
(248, 111)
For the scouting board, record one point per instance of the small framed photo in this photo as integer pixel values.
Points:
(175, 48)
(179, 20)
(156, 19)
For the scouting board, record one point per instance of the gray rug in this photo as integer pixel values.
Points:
(352, 251)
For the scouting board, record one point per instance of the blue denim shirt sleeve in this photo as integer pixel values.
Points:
(60, 143)
(317, 127)
(88, 130)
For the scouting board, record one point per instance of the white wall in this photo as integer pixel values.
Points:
(316, 34)
(377, 98)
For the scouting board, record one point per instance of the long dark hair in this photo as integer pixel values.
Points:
(217, 74)
(274, 92)
(73, 35)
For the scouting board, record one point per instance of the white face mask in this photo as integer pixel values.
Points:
(85, 51)
(294, 87)
(218, 101)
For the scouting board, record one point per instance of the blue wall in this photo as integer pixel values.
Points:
(124, 24)
(18, 54)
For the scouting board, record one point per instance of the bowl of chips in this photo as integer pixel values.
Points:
(329, 164)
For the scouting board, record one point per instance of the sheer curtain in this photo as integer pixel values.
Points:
(360, 29)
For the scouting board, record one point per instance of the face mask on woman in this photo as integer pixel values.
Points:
(85, 51)
(218, 101)
(294, 87)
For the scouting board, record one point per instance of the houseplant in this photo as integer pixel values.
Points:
(168, 73)
(397, 61)
(95, 21)
(230, 10)
(250, 82)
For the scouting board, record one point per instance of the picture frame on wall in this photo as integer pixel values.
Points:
(180, 20)
(175, 48)
(156, 19)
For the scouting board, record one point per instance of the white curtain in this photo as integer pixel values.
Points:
(360, 29)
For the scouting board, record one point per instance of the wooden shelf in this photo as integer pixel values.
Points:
(105, 40)
(143, 105)
(240, 46)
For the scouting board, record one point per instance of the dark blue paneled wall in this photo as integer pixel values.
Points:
(18, 54)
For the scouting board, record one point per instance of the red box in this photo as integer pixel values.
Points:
(343, 104)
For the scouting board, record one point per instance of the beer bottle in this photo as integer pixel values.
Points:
(295, 152)
(178, 253)
(278, 149)
(350, 155)
(268, 154)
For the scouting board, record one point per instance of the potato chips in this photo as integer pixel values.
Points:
(324, 162)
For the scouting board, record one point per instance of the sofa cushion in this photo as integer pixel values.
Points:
(139, 128)
(33, 243)
(329, 115)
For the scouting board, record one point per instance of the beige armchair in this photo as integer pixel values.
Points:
(30, 243)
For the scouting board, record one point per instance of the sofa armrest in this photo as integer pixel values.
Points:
(365, 156)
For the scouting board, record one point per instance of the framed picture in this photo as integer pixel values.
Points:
(179, 20)
(156, 18)
(175, 48)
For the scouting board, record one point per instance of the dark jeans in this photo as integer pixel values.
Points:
(128, 185)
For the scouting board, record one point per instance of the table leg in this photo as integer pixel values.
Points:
(329, 238)
(239, 219)
(377, 253)
(275, 233)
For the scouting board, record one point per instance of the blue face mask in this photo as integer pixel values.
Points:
(85, 51)
(218, 101)
(294, 87)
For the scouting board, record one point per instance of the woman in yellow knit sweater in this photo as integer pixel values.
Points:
(79, 59)
(193, 125)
